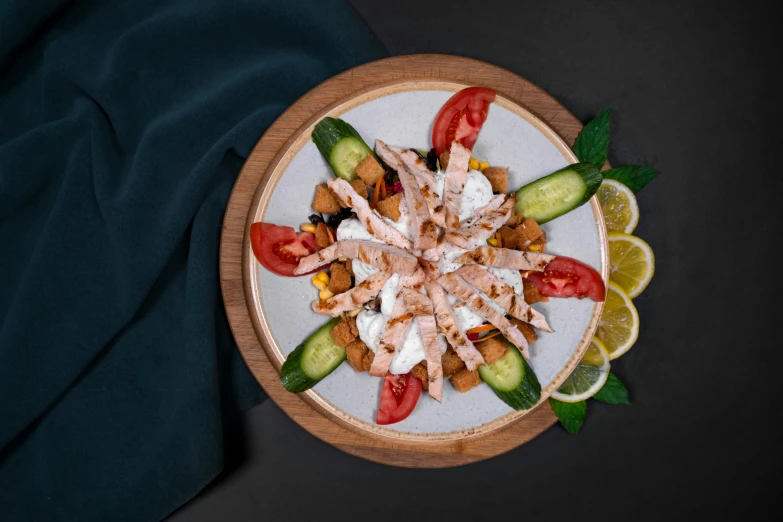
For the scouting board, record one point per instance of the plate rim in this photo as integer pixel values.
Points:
(518, 91)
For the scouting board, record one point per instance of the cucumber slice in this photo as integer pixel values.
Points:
(341, 145)
(512, 379)
(312, 360)
(560, 192)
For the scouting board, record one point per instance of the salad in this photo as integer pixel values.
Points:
(426, 265)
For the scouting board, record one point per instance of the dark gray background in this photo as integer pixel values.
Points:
(694, 91)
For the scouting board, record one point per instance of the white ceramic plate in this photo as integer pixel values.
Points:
(403, 115)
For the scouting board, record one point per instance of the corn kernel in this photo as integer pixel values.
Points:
(325, 294)
(492, 241)
(307, 227)
(483, 166)
(323, 276)
(354, 313)
(320, 285)
(473, 164)
(342, 258)
(534, 248)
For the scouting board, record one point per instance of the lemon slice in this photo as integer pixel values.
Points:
(618, 202)
(619, 324)
(588, 377)
(631, 261)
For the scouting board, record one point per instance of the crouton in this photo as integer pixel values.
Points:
(514, 220)
(339, 279)
(360, 187)
(322, 235)
(355, 352)
(444, 160)
(390, 207)
(498, 178)
(492, 349)
(369, 170)
(341, 333)
(508, 237)
(530, 293)
(420, 371)
(451, 362)
(349, 267)
(324, 200)
(529, 232)
(352, 325)
(464, 380)
(369, 356)
(525, 328)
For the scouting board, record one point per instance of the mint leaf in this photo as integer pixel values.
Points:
(613, 391)
(632, 176)
(571, 415)
(592, 144)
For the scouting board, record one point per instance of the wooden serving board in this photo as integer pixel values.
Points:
(391, 71)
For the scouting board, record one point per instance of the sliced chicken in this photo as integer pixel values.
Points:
(483, 228)
(448, 325)
(463, 290)
(385, 258)
(433, 254)
(425, 233)
(456, 175)
(415, 280)
(426, 180)
(353, 298)
(493, 205)
(393, 336)
(430, 269)
(371, 219)
(421, 308)
(504, 295)
(505, 258)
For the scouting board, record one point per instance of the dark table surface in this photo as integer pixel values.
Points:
(694, 94)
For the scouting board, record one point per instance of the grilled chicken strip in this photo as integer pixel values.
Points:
(371, 219)
(415, 280)
(463, 290)
(426, 180)
(456, 175)
(493, 205)
(393, 336)
(505, 258)
(504, 295)
(421, 308)
(484, 227)
(425, 233)
(353, 298)
(386, 258)
(448, 325)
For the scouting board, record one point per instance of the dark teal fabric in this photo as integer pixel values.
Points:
(123, 126)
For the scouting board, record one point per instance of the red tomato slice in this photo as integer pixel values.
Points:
(566, 277)
(461, 118)
(280, 248)
(399, 396)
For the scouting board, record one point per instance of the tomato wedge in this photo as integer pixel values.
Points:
(399, 396)
(566, 277)
(280, 248)
(461, 118)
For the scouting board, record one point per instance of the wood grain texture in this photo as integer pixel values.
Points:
(276, 139)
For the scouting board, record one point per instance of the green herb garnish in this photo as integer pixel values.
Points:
(592, 144)
(571, 415)
(612, 392)
(632, 176)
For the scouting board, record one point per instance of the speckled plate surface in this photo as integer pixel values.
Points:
(403, 115)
